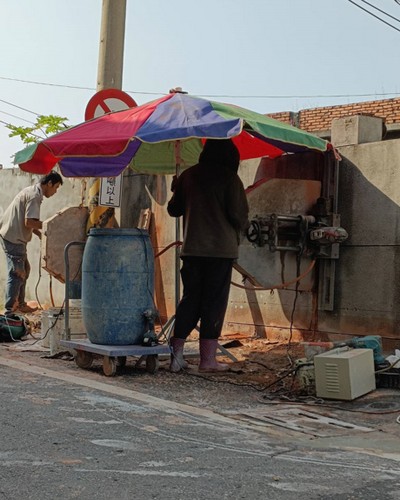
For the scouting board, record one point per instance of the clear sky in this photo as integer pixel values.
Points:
(282, 55)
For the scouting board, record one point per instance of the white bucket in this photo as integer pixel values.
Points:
(51, 321)
(53, 328)
(77, 329)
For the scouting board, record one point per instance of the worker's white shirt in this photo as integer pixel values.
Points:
(26, 205)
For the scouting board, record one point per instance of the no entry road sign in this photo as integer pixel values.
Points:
(108, 100)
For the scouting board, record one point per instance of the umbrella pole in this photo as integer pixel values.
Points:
(177, 231)
(177, 264)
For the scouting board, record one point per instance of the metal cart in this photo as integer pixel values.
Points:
(115, 355)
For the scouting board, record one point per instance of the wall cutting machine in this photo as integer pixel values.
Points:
(316, 235)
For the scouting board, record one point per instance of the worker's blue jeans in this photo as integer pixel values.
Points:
(18, 270)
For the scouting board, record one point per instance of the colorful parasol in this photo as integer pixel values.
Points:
(155, 137)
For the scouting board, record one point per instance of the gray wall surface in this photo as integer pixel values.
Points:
(367, 296)
(367, 274)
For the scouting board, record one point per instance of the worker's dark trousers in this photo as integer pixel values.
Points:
(206, 283)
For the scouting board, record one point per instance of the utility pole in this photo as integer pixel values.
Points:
(109, 76)
(112, 38)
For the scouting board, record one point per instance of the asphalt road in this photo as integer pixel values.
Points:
(66, 434)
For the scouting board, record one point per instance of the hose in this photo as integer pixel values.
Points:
(281, 285)
(252, 288)
(174, 244)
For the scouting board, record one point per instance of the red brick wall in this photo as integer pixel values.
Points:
(316, 119)
(284, 116)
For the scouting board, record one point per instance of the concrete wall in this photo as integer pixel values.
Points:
(368, 271)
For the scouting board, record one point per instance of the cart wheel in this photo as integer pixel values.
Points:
(152, 363)
(84, 359)
(121, 361)
(109, 366)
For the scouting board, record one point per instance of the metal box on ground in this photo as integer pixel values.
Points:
(344, 375)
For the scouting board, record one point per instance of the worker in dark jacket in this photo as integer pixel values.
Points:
(211, 198)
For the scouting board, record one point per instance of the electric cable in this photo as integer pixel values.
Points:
(281, 286)
(60, 312)
(292, 371)
(174, 244)
(156, 312)
(380, 10)
(165, 333)
(373, 15)
(298, 263)
(38, 281)
(387, 368)
(52, 325)
(19, 107)
(352, 334)
(233, 96)
(260, 364)
(219, 379)
(15, 116)
(51, 291)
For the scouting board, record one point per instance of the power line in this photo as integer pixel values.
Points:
(30, 133)
(271, 96)
(299, 96)
(373, 15)
(15, 116)
(48, 84)
(19, 107)
(72, 86)
(380, 10)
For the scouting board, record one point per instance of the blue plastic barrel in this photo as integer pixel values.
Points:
(117, 285)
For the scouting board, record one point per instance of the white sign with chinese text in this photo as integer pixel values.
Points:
(110, 191)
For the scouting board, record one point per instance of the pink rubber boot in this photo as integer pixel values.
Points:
(208, 362)
(177, 361)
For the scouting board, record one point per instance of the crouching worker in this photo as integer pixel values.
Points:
(19, 222)
(211, 198)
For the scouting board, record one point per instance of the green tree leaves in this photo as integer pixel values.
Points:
(44, 126)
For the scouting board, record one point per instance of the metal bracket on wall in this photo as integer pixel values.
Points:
(326, 284)
(327, 267)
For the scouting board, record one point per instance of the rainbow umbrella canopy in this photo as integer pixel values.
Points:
(156, 137)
